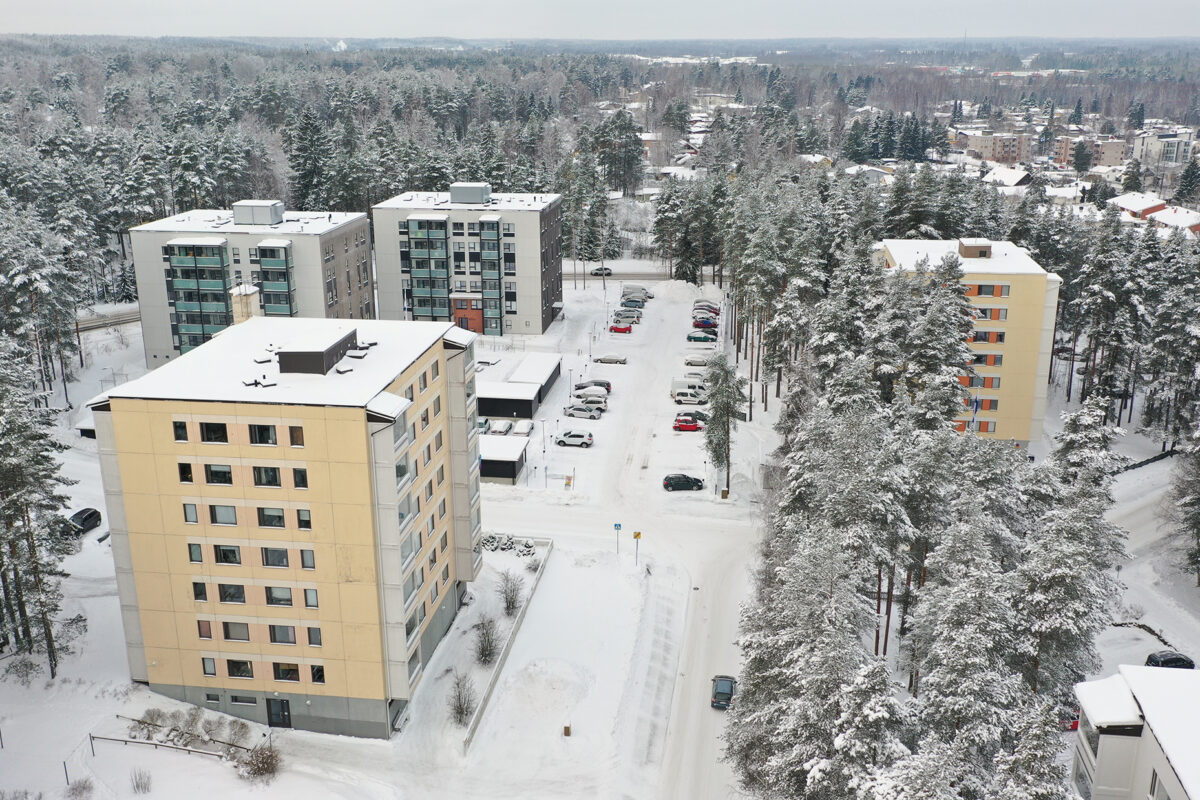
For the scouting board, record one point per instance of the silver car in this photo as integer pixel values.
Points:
(591, 401)
(582, 412)
(610, 359)
(574, 438)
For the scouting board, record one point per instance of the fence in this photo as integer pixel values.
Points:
(477, 717)
(92, 739)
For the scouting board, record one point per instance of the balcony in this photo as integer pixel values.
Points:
(187, 305)
(491, 274)
(422, 292)
(439, 273)
(217, 308)
(274, 263)
(276, 309)
(493, 235)
(184, 283)
(418, 253)
(277, 286)
(191, 329)
(218, 286)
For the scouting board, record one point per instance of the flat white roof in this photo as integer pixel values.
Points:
(1108, 701)
(460, 336)
(500, 201)
(1170, 703)
(502, 448)
(295, 223)
(536, 368)
(275, 243)
(1175, 217)
(502, 390)
(219, 369)
(1136, 202)
(1006, 258)
(194, 241)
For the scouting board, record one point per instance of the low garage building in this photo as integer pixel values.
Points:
(507, 400)
(540, 368)
(501, 458)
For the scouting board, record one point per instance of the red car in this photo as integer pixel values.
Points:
(704, 323)
(620, 329)
(687, 425)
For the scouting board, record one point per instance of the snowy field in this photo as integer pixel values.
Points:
(621, 651)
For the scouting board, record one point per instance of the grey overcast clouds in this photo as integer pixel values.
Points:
(604, 19)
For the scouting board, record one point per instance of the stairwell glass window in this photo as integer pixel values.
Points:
(189, 513)
(270, 518)
(278, 596)
(214, 433)
(227, 554)
(262, 434)
(267, 476)
(222, 515)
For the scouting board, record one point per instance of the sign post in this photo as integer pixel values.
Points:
(617, 533)
(637, 545)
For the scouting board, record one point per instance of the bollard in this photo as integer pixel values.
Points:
(566, 730)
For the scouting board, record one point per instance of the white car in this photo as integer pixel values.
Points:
(590, 391)
(689, 397)
(523, 428)
(501, 427)
(610, 359)
(591, 401)
(582, 411)
(696, 360)
(574, 438)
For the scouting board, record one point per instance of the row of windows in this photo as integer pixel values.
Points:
(979, 382)
(236, 593)
(245, 669)
(987, 360)
(983, 403)
(993, 313)
(218, 433)
(240, 632)
(267, 517)
(990, 337)
(232, 554)
(987, 290)
(222, 475)
(979, 426)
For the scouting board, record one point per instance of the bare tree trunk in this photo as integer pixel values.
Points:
(1071, 368)
(887, 616)
(10, 620)
(878, 603)
(19, 598)
(43, 614)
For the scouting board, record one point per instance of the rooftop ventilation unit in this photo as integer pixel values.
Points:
(258, 212)
(472, 193)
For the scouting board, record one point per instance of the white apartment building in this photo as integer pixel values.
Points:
(304, 264)
(1137, 736)
(1166, 147)
(489, 263)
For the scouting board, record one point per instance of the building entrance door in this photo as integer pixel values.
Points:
(279, 715)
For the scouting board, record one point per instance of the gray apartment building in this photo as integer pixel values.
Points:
(303, 264)
(488, 262)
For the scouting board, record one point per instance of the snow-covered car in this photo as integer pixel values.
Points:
(701, 336)
(626, 328)
(695, 360)
(686, 424)
(699, 416)
(589, 390)
(483, 424)
(724, 687)
(704, 323)
(523, 428)
(574, 438)
(501, 427)
(591, 401)
(1169, 658)
(693, 376)
(610, 358)
(633, 302)
(581, 411)
(598, 271)
(603, 384)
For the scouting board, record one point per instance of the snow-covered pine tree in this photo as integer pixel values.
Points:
(726, 397)
(1031, 767)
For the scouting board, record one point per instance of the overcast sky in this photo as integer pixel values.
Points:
(604, 19)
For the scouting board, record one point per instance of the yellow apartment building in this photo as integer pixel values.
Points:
(295, 516)
(1015, 302)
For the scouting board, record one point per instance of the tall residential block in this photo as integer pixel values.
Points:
(304, 263)
(1015, 303)
(488, 262)
(295, 516)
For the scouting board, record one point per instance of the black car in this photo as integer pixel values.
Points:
(699, 416)
(723, 689)
(603, 384)
(84, 520)
(681, 481)
(1169, 658)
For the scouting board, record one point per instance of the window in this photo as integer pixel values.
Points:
(282, 634)
(213, 433)
(204, 629)
(180, 431)
(189, 513)
(199, 591)
(279, 596)
(413, 582)
(408, 394)
(270, 518)
(209, 665)
(442, 508)
(209, 697)
(414, 622)
(306, 560)
(310, 598)
(437, 406)
(425, 420)
(445, 573)
(239, 669)
(231, 593)
(1157, 792)
(435, 370)
(296, 435)
(314, 637)
(429, 491)
(242, 700)
(318, 673)
(303, 519)
(441, 475)
(195, 554)
(408, 547)
(227, 554)
(414, 665)
(274, 557)
(222, 515)
(236, 631)
(444, 542)
(185, 473)
(219, 474)
(267, 476)
(423, 382)
(299, 478)
(262, 434)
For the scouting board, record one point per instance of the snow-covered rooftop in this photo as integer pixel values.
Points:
(502, 448)
(1005, 176)
(536, 368)
(1170, 703)
(500, 201)
(1175, 217)
(295, 223)
(227, 367)
(1136, 202)
(1107, 702)
(502, 390)
(1006, 258)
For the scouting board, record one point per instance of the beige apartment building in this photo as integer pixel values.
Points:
(488, 262)
(1004, 148)
(1015, 303)
(304, 264)
(1106, 151)
(295, 517)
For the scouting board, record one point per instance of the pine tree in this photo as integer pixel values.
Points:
(1031, 769)
(726, 396)
(1081, 157)
(1188, 188)
(1184, 509)
(1131, 180)
(309, 156)
(1076, 117)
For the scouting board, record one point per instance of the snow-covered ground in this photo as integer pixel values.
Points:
(621, 651)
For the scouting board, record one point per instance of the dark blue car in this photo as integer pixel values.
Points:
(723, 689)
